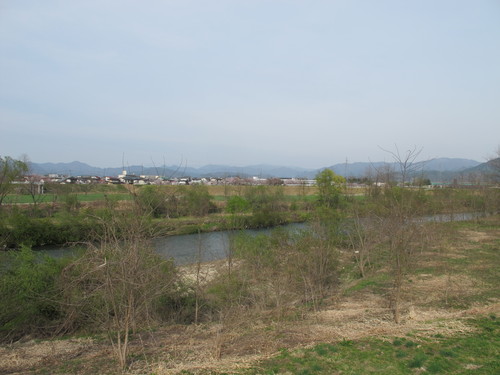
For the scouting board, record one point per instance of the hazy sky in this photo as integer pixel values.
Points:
(303, 83)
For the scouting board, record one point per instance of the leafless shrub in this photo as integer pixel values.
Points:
(276, 275)
(117, 282)
(363, 235)
(400, 225)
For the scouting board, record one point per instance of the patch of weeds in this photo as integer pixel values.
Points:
(401, 354)
(284, 353)
(447, 353)
(345, 343)
(135, 357)
(410, 344)
(376, 284)
(66, 367)
(398, 341)
(365, 283)
(459, 302)
(418, 360)
(324, 349)
(43, 371)
(427, 270)
(438, 365)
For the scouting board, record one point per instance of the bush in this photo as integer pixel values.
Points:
(156, 202)
(237, 204)
(278, 272)
(28, 286)
(268, 204)
(20, 229)
(195, 201)
(330, 187)
(117, 283)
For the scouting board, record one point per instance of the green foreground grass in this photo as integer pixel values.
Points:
(474, 353)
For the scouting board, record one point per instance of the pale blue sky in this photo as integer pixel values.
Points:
(303, 83)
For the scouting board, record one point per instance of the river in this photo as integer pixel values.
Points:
(205, 247)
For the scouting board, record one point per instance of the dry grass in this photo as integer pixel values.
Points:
(238, 343)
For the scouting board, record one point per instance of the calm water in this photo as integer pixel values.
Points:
(190, 248)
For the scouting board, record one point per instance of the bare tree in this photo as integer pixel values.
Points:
(400, 225)
(117, 281)
(274, 181)
(405, 162)
(363, 236)
(33, 183)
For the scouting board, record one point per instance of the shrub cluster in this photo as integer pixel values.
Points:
(276, 274)
(164, 201)
(21, 229)
(28, 286)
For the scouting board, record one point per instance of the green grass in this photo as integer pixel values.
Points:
(377, 284)
(289, 198)
(479, 351)
(478, 262)
(46, 198)
(49, 198)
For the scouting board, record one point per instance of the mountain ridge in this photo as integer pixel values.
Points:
(446, 167)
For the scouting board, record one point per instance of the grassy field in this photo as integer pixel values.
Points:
(218, 192)
(50, 198)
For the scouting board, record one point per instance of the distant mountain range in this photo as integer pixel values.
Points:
(440, 169)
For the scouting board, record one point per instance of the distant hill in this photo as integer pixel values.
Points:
(74, 168)
(491, 169)
(77, 168)
(442, 169)
(449, 164)
(264, 171)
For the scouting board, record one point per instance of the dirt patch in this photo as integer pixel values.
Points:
(476, 236)
(204, 272)
(425, 290)
(19, 357)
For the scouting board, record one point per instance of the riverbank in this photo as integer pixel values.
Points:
(449, 325)
(63, 230)
(222, 221)
(175, 211)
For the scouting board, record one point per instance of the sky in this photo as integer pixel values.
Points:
(245, 82)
